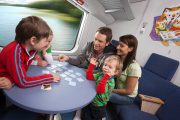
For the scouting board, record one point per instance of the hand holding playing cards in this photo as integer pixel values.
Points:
(93, 61)
(56, 78)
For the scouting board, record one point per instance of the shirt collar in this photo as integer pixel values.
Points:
(31, 53)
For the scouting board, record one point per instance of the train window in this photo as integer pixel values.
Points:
(62, 17)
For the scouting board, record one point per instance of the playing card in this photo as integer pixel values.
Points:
(80, 79)
(68, 79)
(79, 74)
(72, 83)
(70, 70)
(46, 87)
(45, 72)
(54, 71)
(73, 76)
(63, 75)
(67, 73)
(59, 65)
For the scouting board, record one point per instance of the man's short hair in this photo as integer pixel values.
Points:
(106, 31)
(31, 26)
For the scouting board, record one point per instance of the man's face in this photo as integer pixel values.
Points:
(100, 42)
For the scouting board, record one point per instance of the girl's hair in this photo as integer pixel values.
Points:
(119, 64)
(131, 42)
(31, 26)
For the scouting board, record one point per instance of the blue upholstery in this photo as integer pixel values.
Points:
(111, 47)
(163, 66)
(155, 81)
(171, 109)
(115, 43)
(154, 85)
(132, 112)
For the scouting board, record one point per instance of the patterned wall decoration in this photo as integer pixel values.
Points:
(166, 27)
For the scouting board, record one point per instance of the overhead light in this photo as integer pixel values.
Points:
(112, 10)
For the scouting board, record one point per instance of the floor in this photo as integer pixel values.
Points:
(20, 114)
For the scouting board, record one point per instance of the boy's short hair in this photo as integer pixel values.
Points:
(31, 26)
(119, 65)
(106, 31)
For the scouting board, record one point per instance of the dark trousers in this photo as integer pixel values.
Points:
(2, 104)
(91, 112)
(2, 101)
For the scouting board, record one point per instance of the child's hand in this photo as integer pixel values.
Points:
(108, 70)
(111, 73)
(5, 83)
(44, 50)
(42, 63)
(56, 78)
(63, 58)
(93, 61)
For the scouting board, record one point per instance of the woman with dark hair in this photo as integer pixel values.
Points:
(126, 87)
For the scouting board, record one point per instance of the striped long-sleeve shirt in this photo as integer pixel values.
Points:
(14, 62)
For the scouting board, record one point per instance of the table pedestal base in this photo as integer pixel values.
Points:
(55, 117)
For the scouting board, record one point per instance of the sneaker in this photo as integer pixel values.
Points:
(78, 115)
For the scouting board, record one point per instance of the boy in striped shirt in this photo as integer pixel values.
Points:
(31, 36)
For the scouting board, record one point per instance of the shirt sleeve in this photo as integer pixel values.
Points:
(134, 69)
(16, 69)
(49, 50)
(81, 57)
(49, 58)
(101, 86)
(89, 72)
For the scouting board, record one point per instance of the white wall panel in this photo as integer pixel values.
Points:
(147, 46)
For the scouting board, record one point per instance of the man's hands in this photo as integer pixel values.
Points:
(5, 83)
(63, 58)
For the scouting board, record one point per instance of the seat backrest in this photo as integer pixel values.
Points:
(154, 85)
(111, 47)
(163, 66)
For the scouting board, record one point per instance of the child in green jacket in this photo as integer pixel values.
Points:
(104, 85)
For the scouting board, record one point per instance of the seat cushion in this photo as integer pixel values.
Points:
(171, 109)
(163, 66)
(153, 85)
(132, 112)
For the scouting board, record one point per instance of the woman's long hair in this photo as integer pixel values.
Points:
(130, 41)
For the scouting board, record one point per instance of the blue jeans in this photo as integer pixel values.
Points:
(121, 99)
